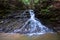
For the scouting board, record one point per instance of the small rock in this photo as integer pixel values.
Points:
(1, 21)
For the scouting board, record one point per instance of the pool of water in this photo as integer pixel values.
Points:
(47, 36)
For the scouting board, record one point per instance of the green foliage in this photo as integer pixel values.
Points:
(36, 1)
(28, 2)
(46, 10)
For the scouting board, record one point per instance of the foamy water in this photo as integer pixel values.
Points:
(32, 26)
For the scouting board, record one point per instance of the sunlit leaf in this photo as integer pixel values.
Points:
(36, 1)
(27, 2)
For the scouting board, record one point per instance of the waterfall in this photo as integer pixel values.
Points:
(32, 26)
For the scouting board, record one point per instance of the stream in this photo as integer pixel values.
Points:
(32, 26)
(26, 27)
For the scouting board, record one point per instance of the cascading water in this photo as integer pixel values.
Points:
(32, 26)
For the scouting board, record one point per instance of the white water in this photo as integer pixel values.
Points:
(33, 26)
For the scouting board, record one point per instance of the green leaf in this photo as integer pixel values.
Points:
(27, 2)
(36, 1)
